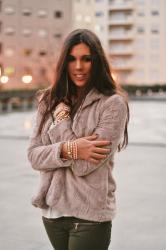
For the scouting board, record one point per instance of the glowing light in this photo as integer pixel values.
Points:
(9, 71)
(4, 79)
(27, 125)
(27, 79)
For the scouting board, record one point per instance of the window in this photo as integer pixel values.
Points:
(155, 31)
(9, 10)
(42, 53)
(87, 19)
(58, 14)
(154, 44)
(155, 13)
(26, 12)
(78, 17)
(99, 13)
(141, 13)
(98, 28)
(26, 32)
(9, 31)
(27, 52)
(9, 52)
(42, 13)
(9, 71)
(140, 29)
(155, 28)
(58, 35)
(42, 33)
(140, 44)
(1, 69)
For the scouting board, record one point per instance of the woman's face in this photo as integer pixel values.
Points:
(80, 64)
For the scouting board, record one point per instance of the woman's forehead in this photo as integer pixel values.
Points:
(80, 49)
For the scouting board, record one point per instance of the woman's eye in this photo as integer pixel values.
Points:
(71, 58)
(87, 58)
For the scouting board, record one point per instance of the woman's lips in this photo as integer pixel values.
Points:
(80, 77)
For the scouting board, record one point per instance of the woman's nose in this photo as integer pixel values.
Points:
(78, 64)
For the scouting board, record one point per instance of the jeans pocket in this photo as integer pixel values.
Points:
(77, 224)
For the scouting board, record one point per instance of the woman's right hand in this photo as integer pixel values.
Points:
(91, 149)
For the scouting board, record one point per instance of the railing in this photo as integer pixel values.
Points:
(122, 36)
(114, 6)
(17, 100)
(122, 51)
(122, 21)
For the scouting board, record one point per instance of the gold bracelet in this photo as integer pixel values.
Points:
(75, 151)
(69, 150)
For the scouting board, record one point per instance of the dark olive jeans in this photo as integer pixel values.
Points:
(70, 233)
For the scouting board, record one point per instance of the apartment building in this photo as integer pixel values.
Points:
(92, 14)
(31, 33)
(133, 34)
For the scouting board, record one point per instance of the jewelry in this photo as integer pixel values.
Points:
(69, 152)
(75, 151)
(62, 116)
(72, 150)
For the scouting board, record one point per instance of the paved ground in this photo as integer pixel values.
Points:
(140, 173)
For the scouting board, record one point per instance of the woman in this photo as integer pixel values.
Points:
(81, 122)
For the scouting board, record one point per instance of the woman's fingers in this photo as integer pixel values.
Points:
(101, 143)
(91, 137)
(102, 150)
(99, 156)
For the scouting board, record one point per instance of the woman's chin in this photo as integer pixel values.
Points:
(80, 84)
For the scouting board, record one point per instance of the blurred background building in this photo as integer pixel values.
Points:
(132, 32)
(133, 35)
(31, 33)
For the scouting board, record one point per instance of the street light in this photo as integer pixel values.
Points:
(27, 79)
(4, 79)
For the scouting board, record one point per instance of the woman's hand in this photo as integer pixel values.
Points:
(90, 149)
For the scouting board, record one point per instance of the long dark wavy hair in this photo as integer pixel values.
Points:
(63, 88)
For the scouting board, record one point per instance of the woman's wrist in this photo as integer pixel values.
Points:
(69, 150)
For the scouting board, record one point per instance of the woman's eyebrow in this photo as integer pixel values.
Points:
(81, 56)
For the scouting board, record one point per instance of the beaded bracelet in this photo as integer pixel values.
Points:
(72, 150)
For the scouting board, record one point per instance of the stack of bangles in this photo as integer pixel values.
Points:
(72, 150)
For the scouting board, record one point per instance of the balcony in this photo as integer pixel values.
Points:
(123, 66)
(125, 36)
(120, 7)
(128, 21)
(121, 52)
